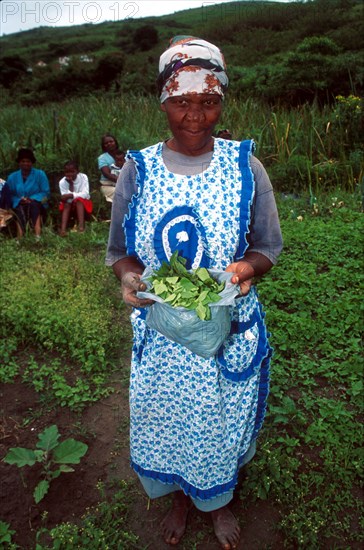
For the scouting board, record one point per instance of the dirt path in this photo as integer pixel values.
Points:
(104, 427)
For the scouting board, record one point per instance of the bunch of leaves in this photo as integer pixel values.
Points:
(179, 287)
(53, 455)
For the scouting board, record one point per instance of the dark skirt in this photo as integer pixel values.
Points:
(29, 213)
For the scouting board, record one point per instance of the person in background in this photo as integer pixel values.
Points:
(224, 134)
(29, 190)
(109, 145)
(194, 422)
(5, 204)
(75, 196)
(119, 157)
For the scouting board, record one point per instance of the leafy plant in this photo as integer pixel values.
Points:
(54, 456)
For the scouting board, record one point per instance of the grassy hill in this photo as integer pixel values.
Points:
(291, 52)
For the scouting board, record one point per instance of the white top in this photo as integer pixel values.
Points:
(80, 185)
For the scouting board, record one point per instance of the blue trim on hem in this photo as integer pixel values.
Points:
(188, 488)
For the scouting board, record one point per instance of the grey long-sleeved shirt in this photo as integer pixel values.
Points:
(265, 234)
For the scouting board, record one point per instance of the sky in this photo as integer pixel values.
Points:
(20, 15)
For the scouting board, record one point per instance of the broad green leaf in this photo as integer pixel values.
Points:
(159, 287)
(55, 473)
(48, 439)
(186, 284)
(20, 457)
(204, 294)
(203, 274)
(69, 451)
(170, 298)
(201, 311)
(41, 490)
(213, 297)
(172, 280)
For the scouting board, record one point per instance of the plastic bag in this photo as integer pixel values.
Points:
(183, 326)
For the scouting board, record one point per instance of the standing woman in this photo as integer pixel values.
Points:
(108, 180)
(29, 190)
(195, 421)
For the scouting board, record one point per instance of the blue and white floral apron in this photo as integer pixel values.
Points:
(194, 420)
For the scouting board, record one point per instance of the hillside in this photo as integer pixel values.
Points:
(291, 52)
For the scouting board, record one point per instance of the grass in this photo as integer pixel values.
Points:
(309, 462)
(61, 331)
(303, 148)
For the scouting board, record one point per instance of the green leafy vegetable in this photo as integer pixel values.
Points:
(179, 287)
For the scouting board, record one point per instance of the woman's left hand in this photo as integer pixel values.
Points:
(243, 275)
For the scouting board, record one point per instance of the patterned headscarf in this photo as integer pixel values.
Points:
(191, 65)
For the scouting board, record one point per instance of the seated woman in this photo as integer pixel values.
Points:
(75, 196)
(29, 190)
(5, 203)
(108, 180)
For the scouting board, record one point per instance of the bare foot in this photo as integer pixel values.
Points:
(226, 528)
(174, 524)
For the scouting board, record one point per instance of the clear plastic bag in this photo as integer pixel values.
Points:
(183, 326)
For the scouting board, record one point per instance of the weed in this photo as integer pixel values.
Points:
(54, 457)
(102, 528)
(6, 535)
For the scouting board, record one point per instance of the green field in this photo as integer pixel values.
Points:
(305, 149)
(309, 463)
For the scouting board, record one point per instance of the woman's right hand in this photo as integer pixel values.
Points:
(130, 285)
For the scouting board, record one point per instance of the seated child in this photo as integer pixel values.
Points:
(119, 160)
(224, 134)
(75, 196)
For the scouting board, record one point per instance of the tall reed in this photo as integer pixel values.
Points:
(301, 147)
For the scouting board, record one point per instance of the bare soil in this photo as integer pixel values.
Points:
(104, 427)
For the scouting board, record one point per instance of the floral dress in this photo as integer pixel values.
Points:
(193, 420)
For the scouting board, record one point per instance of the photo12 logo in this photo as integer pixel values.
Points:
(66, 12)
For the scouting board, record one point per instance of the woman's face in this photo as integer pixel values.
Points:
(109, 144)
(25, 165)
(192, 118)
